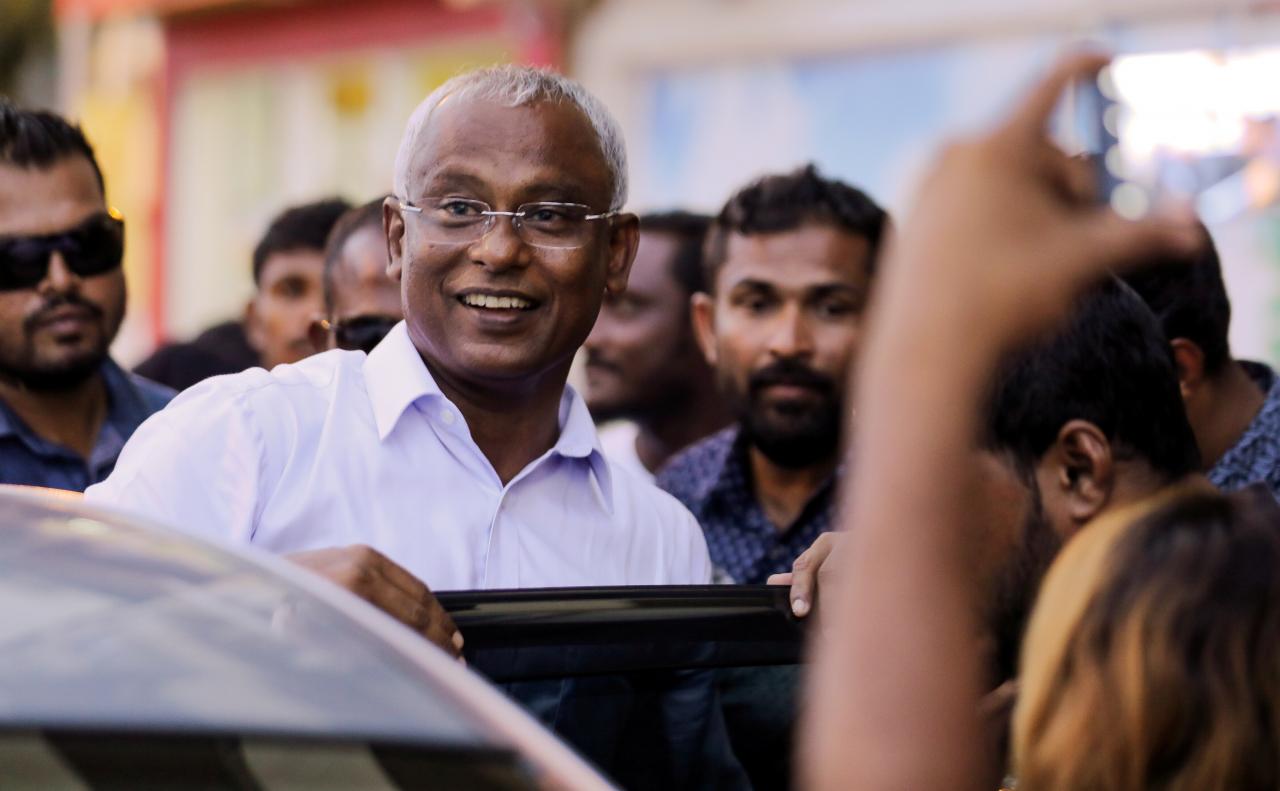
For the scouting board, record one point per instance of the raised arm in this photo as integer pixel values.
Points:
(1002, 236)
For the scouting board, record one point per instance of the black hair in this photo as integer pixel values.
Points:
(304, 227)
(1109, 365)
(690, 231)
(1188, 296)
(784, 202)
(39, 139)
(352, 220)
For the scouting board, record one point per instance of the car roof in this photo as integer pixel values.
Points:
(108, 623)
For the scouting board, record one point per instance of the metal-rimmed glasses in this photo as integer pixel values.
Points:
(557, 226)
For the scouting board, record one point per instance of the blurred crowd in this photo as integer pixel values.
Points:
(998, 447)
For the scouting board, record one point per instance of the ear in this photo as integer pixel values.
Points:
(1189, 359)
(624, 237)
(320, 335)
(1083, 470)
(393, 229)
(702, 311)
(253, 326)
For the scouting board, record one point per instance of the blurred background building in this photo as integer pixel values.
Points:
(211, 115)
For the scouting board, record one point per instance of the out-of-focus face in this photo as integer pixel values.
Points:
(57, 333)
(364, 300)
(641, 354)
(289, 298)
(1017, 545)
(499, 309)
(361, 286)
(782, 333)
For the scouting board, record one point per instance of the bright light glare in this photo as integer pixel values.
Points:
(1193, 102)
(1130, 202)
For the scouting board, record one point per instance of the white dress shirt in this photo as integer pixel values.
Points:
(346, 449)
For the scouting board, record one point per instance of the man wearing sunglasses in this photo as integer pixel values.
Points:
(361, 302)
(453, 454)
(66, 409)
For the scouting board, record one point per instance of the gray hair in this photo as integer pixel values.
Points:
(520, 86)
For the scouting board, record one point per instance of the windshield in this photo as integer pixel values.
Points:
(104, 623)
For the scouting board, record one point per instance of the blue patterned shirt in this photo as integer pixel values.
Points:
(1255, 458)
(713, 480)
(29, 459)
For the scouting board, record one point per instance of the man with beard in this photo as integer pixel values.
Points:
(643, 363)
(789, 263)
(1083, 423)
(66, 408)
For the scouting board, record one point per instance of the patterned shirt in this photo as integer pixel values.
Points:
(1255, 458)
(27, 458)
(713, 480)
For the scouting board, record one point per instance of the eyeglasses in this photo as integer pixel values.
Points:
(360, 333)
(94, 247)
(557, 226)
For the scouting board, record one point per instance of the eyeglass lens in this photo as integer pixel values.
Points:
(362, 333)
(94, 247)
(552, 225)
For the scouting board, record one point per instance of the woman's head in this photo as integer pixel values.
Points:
(1152, 660)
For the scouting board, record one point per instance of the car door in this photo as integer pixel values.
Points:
(623, 675)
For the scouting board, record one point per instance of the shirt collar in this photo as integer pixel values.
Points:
(397, 378)
(580, 440)
(727, 469)
(126, 408)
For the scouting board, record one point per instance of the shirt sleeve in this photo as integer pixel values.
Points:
(195, 466)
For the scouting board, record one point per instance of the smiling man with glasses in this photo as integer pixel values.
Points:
(454, 454)
(65, 408)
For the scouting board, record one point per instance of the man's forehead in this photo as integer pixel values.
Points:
(485, 144)
(43, 200)
(299, 261)
(811, 256)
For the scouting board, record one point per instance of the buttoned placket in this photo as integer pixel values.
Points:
(456, 435)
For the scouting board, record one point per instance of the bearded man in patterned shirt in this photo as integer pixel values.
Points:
(789, 265)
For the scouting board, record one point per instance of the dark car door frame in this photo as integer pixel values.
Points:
(530, 634)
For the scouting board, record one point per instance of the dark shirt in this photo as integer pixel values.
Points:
(1255, 458)
(713, 480)
(31, 460)
(222, 349)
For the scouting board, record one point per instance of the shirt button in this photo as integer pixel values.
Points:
(447, 417)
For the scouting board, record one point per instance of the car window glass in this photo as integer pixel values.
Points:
(107, 623)
(81, 761)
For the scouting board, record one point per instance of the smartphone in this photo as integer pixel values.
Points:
(1192, 128)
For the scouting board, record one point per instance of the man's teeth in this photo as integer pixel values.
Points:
(496, 303)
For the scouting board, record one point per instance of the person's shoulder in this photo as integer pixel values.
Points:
(689, 473)
(155, 396)
(310, 384)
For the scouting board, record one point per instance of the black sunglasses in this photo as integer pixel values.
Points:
(362, 332)
(93, 247)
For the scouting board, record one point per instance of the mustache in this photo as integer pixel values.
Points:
(793, 373)
(42, 314)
